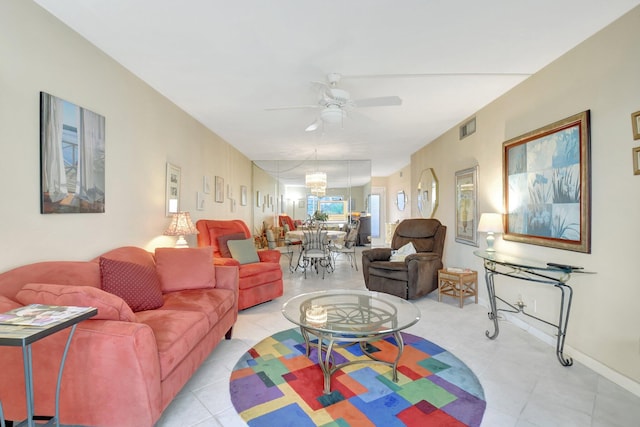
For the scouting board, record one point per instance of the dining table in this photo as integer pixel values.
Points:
(298, 236)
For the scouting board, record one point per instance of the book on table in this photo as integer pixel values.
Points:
(40, 314)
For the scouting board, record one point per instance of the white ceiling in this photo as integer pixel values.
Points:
(225, 62)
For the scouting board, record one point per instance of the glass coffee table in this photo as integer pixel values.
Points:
(340, 318)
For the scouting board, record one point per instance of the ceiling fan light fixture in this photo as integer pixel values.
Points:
(332, 114)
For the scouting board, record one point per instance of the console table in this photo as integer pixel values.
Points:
(496, 263)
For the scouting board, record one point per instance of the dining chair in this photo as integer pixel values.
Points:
(286, 250)
(315, 250)
(348, 247)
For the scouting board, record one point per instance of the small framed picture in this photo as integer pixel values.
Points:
(635, 123)
(243, 195)
(636, 161)
(258, 199)
(200, 200)
(219, 189)
(206, 184)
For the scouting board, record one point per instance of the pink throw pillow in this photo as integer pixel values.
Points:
(185, 268)
(136, 284)
(110, 307)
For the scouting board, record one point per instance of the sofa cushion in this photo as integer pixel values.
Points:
(177, 332)
(185, 268)
(136, 284)
(244, 251)
(7, 304)
(214, 303)
(223, 246)
(110, 307)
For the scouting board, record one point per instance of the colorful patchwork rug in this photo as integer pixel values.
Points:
(275, 384)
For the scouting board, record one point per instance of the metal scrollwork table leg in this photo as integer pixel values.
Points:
(566, 295)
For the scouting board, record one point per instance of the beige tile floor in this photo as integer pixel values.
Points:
(524, 384)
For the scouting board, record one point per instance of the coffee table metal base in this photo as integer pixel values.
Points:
(327, 342)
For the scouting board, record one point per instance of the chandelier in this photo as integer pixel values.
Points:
(316, 181)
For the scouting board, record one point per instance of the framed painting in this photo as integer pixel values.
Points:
(467, 206)
(243, 195)
(547, 185)
(636, 160)
(635, 124)
(219, 189)
(72, 166)
(172, 197)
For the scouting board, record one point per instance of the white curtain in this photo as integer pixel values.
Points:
(90, 181)
(54, 179)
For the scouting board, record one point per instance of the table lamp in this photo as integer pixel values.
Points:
(180, 226)
(490, 223)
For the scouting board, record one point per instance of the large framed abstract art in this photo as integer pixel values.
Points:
(72, 154)
(547, 185)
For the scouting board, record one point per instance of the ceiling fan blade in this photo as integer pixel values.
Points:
(313, 126)
(382, 101)
(293, 107)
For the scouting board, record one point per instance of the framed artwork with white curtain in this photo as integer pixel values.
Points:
(72, 166)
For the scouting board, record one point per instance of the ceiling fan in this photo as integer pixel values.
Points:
(334, 102)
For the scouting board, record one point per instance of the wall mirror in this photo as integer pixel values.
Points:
(401, 199)
(427, 197)
(347, 181)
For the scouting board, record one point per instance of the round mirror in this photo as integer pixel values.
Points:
(401, 200)
(427, 196)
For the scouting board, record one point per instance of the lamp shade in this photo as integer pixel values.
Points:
(181, 226)
(490, 222)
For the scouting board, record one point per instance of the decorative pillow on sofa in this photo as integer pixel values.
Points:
(185, 268)
(110, 307)
(223, 245)
(136, 284)
(403, 252)
(243, 251)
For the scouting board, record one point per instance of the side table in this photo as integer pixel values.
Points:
(23, 336)
(458, 284)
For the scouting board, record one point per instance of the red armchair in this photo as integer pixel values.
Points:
(286, 219)
(260, 281)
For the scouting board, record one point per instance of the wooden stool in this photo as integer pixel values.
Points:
(458, 284)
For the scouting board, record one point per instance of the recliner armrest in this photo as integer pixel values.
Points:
(372, 255)
(423, 257)
(376, 254)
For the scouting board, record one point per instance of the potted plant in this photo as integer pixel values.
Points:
(320, 216)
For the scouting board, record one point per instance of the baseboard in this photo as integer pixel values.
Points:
(596, 366)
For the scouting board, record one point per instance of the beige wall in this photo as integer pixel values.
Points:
(399, 181)
(601, 75)
(143, 131)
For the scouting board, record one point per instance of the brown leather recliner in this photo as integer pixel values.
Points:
(417, 275)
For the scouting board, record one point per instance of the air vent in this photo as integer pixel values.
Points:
(468, 128)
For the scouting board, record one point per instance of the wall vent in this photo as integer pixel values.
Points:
(468, 128)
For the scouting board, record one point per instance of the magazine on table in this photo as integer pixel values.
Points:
(40, 314)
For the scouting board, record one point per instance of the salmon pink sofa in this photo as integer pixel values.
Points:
(159, 316)
(260, 280)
